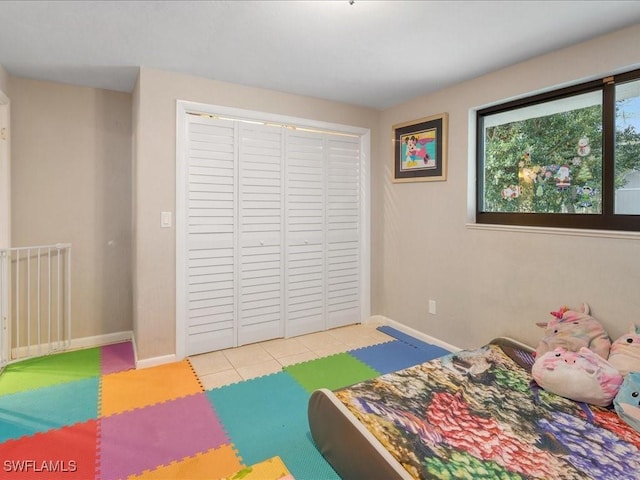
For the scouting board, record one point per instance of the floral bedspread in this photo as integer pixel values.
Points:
(478, 415)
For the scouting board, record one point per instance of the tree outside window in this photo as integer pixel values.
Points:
(546, 162)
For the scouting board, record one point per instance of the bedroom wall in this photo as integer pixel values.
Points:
(154, 184)
(4, 80)
(71, 182)
(5, 161)
(489, 283)
(135, 104)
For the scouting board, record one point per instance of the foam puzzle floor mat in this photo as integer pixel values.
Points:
(90, 414)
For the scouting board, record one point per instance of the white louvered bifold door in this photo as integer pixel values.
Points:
(210, 236)
(270, 230)
(261, 265)
(343, 231)
(305, 210)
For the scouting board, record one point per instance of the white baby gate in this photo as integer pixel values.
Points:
(35, 301)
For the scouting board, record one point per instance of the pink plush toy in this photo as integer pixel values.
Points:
(573, 330)
(625, 351)
(583, 376)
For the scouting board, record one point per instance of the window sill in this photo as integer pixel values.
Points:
(572, 232)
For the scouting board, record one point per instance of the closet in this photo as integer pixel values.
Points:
(271, 227)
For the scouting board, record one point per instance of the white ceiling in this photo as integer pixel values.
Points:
(370, 53)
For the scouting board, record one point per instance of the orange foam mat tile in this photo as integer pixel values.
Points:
(131, 389)
(216, 463)
(67, 453)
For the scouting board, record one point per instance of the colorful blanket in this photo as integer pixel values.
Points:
(478, 415)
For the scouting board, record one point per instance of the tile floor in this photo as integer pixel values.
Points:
(223, 367)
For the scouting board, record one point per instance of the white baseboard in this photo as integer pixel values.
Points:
(155, 361)
(382, 320)
(75, 344)
(135, 349)
(100, 340)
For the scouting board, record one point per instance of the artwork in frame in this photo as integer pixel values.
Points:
(420, 150)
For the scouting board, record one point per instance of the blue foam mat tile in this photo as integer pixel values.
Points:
(47, 408)
(267, 416)
(403, 337)
(393, 356)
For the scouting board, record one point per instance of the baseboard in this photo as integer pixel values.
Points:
(381, 319)
(155, 361)
(100, 340)
(135, 349)
(75, 344)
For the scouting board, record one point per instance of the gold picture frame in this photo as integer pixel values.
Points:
(420, 149)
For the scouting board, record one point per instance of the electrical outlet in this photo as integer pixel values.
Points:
(432, 307)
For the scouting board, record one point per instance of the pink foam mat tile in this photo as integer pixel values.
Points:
(142, 439)
(117, 357)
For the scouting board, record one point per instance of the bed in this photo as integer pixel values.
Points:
(472, 414)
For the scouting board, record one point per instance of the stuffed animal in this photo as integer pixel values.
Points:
(627, 402)
(625, 351)
(583, 376)
(573, 330)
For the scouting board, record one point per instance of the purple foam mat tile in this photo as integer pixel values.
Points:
(117, 358)
(142, 439)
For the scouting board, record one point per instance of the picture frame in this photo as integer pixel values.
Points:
(420, 149)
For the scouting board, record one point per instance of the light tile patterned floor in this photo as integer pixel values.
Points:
(224, 367)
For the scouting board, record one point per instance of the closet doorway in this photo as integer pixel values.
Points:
(272, 227)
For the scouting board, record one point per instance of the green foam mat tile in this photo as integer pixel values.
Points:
(336, 371)
(50, 370)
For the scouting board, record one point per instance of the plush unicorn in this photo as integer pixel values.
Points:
(573, 330)
(627, 402)
(625, 351)
(583, 376)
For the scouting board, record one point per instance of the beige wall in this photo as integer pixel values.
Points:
(4, 80)
(71, 182)
(154, 189)
(134, 152)
(490, 283)
(5, 161)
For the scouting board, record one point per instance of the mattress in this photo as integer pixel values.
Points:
(473, 414)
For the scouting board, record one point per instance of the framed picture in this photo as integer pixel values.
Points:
(420, 150)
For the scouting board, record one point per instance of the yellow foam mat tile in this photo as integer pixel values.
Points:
(216, 463)
(131, 389)
(271, 469)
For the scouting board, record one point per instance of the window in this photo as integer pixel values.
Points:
(568, 158)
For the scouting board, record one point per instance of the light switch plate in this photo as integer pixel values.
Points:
(165, 219)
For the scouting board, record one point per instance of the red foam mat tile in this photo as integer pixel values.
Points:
(67, 453)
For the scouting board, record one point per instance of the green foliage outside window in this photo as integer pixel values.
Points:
(548, 164)
(527, 162)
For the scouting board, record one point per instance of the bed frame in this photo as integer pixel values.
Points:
(356, 453)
